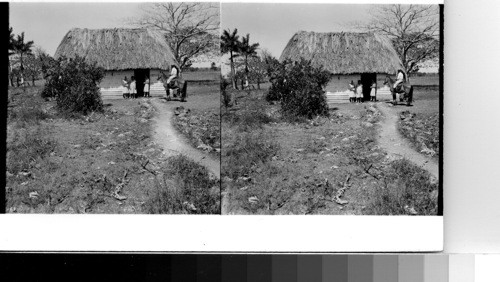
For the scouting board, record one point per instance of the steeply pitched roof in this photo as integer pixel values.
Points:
(344, 52)
(118, 48)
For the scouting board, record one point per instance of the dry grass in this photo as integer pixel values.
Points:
(422, 130)
(271, 166)
(56, 165)
(188, 192)
(201, 125)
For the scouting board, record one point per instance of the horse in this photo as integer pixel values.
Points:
(177, 84)
(405, 88)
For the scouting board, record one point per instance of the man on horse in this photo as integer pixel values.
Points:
(400, 86)
(400, 79)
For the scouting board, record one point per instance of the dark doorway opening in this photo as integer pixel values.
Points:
(140, 77)
(366, 80)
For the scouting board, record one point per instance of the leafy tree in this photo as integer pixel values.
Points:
(255, 72)
(33, 68)
(299, 88)
(230, 44)
(12, 42)
(413, 29)
(74, 84)
(190, 28)
(248, 51)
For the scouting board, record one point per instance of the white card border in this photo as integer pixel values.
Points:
(216, 233)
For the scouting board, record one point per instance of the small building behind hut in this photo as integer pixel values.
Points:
(348, 56)
(121, 52)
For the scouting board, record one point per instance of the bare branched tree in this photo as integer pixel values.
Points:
(413, 29)
(190, 28)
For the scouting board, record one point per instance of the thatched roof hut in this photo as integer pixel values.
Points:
(118, 48)
(344, 52)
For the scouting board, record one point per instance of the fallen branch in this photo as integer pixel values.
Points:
(367, 170)
(341, 191)
(119, 187)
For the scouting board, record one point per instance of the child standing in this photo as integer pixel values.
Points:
(359, 92)
(146, 87)
(373, 91)
(133, 87)
(352, 92)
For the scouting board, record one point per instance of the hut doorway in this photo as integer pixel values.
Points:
(366, 80)
(140, 77)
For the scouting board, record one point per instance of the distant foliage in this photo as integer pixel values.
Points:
(74, 83)
(299, 87)
(226, 96)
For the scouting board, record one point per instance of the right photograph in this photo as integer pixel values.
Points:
(331, 109)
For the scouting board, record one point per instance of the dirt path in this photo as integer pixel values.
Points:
(397, 146)
(172, 141)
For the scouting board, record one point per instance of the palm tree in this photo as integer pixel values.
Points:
(12, 41)
(22, 48)
(249, 51)
(230, 44)
(12, 49)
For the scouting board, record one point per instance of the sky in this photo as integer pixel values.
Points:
(47, 23)
(272, 25)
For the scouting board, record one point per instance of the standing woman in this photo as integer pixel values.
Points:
(146, 87)
(126, 89)
(133, 87)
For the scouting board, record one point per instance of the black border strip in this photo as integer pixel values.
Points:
(4, 73)
(441, 108)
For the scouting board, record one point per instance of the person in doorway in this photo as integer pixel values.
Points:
(146, 87)
(400, 78)
(352, 92)
(126, 90)
(373, 91)
(359, 92)
(133, 87)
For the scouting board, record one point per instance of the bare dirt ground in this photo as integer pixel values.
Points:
(173, 142)
(396, 145)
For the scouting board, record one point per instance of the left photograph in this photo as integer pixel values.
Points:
(114, 108)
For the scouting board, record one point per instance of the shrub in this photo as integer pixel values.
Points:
(299, 88)
(74, 83)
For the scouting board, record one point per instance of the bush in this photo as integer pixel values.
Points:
(299, 88)
(74, 83)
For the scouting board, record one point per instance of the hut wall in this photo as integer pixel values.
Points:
(340, 83)
(111, 85)
(113, 79)
(337, 90)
